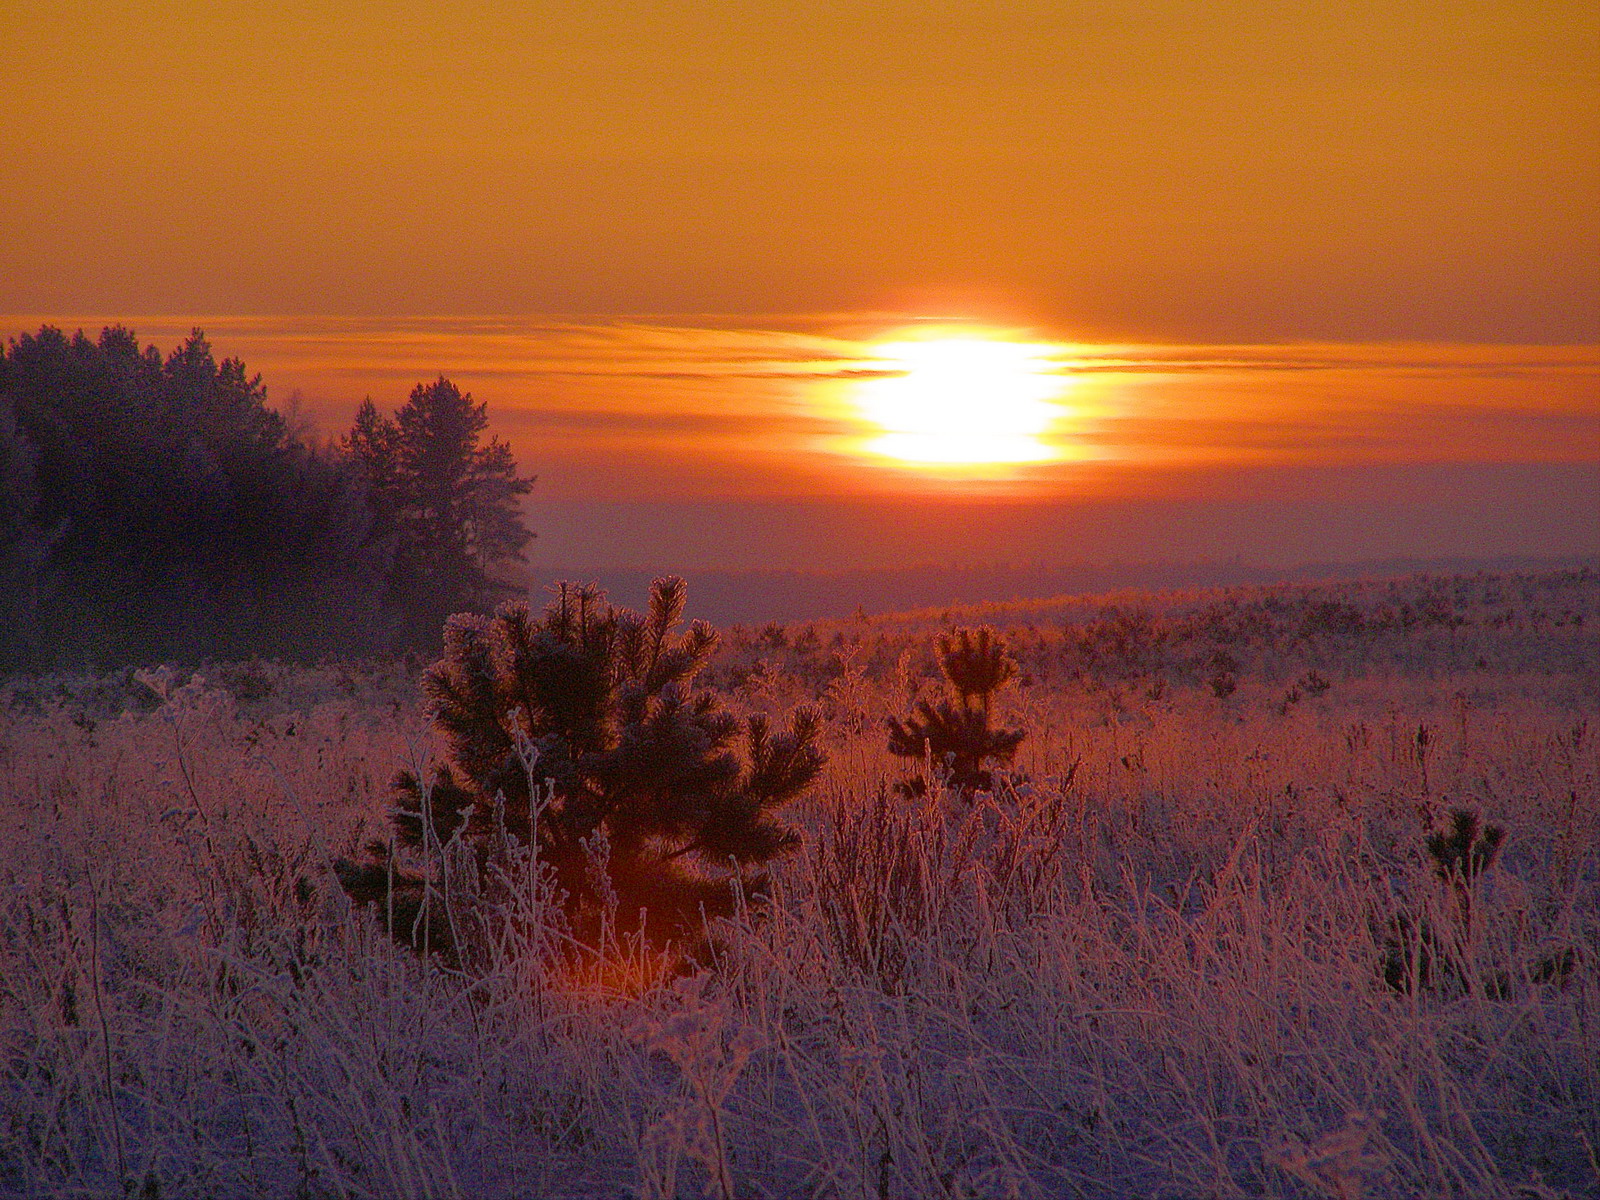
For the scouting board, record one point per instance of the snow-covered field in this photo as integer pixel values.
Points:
(1149, 964)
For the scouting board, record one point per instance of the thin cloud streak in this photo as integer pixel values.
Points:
(771, 405)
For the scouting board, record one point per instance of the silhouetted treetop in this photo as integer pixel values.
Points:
(449, 500)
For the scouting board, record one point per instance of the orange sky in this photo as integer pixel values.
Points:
(1237, 170)
(1341, 256)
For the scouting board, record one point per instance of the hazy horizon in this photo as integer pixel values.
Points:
(759, 597)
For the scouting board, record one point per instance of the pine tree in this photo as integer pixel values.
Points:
(1420, 951)
(641, 812)
(371, 442)
(448, 501)
(956, 734)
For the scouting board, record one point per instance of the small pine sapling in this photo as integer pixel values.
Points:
(580, 737)
(1417, 951)
(1313, 684)
(955, 733)
(1462, 855)
(1465, 852)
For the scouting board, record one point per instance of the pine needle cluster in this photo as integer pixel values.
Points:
(1467, 850)
(955, 732)
(580, 735)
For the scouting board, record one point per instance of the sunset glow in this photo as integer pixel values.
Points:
(964, 399)
(746, 285)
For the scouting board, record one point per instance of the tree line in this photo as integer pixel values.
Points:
(155, 508)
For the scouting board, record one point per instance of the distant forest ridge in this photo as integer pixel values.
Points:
(758, 597)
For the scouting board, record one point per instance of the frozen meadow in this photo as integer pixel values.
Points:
(1193, 946)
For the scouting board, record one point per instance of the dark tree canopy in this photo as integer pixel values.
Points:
(156, 508)
(447, 499)
(26, 577)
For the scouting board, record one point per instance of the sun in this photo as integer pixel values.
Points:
(962, 399)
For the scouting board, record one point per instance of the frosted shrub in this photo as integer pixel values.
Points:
(650, 820)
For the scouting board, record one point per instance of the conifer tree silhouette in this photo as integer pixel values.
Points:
(156, 508)
(448, 501)
(641, 812)
(956, 734)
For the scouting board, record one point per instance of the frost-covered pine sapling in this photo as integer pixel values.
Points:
(956, 732)
(642, 812)
(1465, 852)
(1417, 952)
